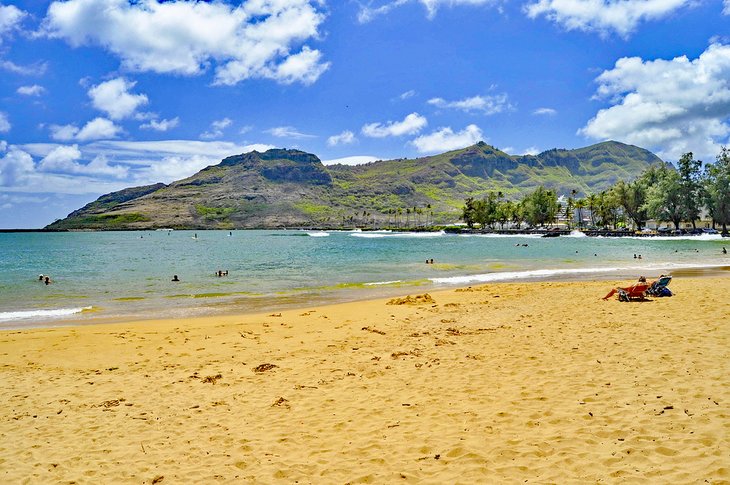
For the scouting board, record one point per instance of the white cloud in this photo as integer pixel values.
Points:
(174, 168)
(113, 98)
(256, 39)
(410, 93)
(354, 160)
(345, 138)
(4, 123)
(367, 14)
(100, 166)
(3, 146)
(545, 112)
(305, 67)
(603, 16)
(10, 17)
(34, 90)
(65, 159)
(36, 69)
(445, 139)
(488, 105)
(15, 167)
(673, 106)
(726, 9)
(161, 125)
(216, 129)
(60, 159)
(96, 129)
(63, 132)
(530, 151)
(411, 124)
(86, 169)
(287, 132)
(221, 124)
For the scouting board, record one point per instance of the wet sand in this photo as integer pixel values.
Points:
(501, 383)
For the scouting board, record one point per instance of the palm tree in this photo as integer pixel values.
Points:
(580, 204)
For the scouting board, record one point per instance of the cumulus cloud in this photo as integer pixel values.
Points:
(15, 167)
(113, 98)
(60, 158)
(256, 39)
(487, 105)
(216, 129)
(603, 16)
(65, 159)
(287, 132)
(411, 124)
(4, 123)
(545, 112)
(673, 106)
(445, 139)
(34, 90)
(368, 13)
(344, 138)
(305, 67)
(10, 18)
(161, 125)
(96, 129)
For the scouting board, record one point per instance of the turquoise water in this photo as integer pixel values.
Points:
(128, 274)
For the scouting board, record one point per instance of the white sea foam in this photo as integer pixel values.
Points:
(697, 238)
(384, 234)
(318, 234)
(381, 283)
(492, 235)
(547, 273)
(576, 233)
(29, 314)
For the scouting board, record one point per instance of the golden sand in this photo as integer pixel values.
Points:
(504, 383)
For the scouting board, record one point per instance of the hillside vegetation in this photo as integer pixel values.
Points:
(291, 188)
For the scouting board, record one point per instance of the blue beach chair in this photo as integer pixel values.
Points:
(659, 287)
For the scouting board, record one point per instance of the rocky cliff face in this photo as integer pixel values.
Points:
(291, 188)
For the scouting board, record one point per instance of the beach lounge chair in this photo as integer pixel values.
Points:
(659, 287)
(636, 291)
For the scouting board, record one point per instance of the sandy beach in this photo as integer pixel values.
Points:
(502, 383)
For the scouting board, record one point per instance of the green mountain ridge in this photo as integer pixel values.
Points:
(290, 188)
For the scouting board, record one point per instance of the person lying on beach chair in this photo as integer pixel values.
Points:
(633, 292)
(659, 287)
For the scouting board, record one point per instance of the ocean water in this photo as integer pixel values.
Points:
(99, 276)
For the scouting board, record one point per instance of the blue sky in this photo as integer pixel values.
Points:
(98, 95)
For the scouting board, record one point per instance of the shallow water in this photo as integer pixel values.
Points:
(111, 275)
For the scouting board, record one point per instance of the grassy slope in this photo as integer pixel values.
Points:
(271, 190)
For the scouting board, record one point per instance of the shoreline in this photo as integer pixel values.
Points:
(212, 308)
(503, 382)
(450, 229)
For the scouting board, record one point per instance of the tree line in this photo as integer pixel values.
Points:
(661, 193)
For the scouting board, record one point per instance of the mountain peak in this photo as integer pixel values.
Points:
(292, 188)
